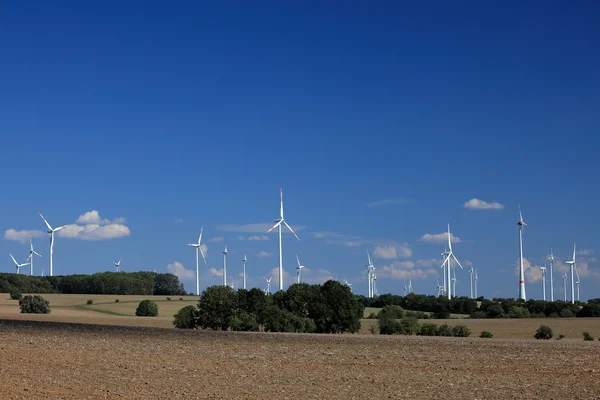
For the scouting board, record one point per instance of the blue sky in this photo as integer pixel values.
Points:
(379, 121)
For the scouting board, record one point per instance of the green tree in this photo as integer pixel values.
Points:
(35, 304)
(167, 284)
(216, 307)
(518, 312)
(186, 318)
(147, 308)
(243, 321)
(340, 312)
(391, 311)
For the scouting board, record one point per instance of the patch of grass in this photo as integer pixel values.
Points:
(85, 307)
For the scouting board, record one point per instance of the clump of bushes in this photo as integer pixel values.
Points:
(243, 321)
(90, 302)
(486, 335)
(587, 336)
(186, 318)
(181, 299)
(116, 300)
(418, 314)
(15, 295)
(544, 332)
(168, 299)
(34, 305)
(147, 308)
(428, 330)
(444, 330)
(461, 331)
(561, 336)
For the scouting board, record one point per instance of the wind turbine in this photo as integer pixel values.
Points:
(117, 265)
(439, 289)
(405, 289)
(232, 285)
(475, 279)
(278, 224)
(551, 262)
(268, 289)
(225, 266)
(198, 247)
(544, 281)
(444, 255)
(450, 255)
(348, 284)
(244, 260)
(471, 278)
(370, 269)
(454, 280)
(17, 265)
(565, 285)
(51, 231)
(521, 224)
(375, 293)
(299, 268)
(410, 288)
(30, 258)
(573, 268)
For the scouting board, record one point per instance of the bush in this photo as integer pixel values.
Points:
(518, 312)
(587, 336)
(391, 311)
(478, 315)
(461, 331)
(428, 330)
(90, 302)
(116, 300)
(168, 299)
(444, 330)
(181, 299)
(389, 326)
(410, 326)
(566, 313)
(15, 295)
(373, 329)
(372, 316)
(244, 322)
(147, 308)
(486, 335)
(543, 332)
(34, 305)
(417, 314)
(186, 318)
(561, 336)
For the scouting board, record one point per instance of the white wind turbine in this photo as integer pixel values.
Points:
(198, 247)
(475, 279)
(268, 288)
(551, 262)
(521, 224)
(445, 288)
(454, 280)
(225, 266)
(471, 271)
(375, 292)
(450, 255)
(244, 260)
(405, 289)
(51, 231)
(410, 288)
(348, 284)
(565, 285)
(439, 288)
(17, 265)
(299, 268)
(573, 269)
(30, 258)
(117, 265)
(278, 224)
(370, 271)
(544, 281)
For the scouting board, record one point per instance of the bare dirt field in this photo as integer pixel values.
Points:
(67, 361)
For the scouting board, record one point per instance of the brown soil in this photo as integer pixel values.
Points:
(43, 360)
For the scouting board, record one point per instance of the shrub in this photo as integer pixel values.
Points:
(90, 302)
(518, 312)
(116, 300)
(428, 330)
(34, 305)
(417, 314)
(373, 329)
(15, 295)
(444, 330)
(147, 308)
(186, 318)
(409, 326)
(243, 322)
(587, 336)
(566, 313)
(486, 335)
(461, 331)
(181, 299)
(389, 326)
(391, 311)
(372, 316)
(543, 332)
(168, 299)
(561, 336)
(478, 315)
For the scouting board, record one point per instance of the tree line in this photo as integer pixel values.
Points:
(327, 308)
(121, 283)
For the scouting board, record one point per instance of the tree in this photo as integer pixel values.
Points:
(340, 312)
(15, 294)
(216, 307)
(34, 305)
(186, 318)
(391, 311)
(589, 310)
(518, 312)
(147, 308)
(167, 284)
(243, 321)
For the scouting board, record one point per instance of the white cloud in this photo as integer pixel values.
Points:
(386, 252)
(216, 239)
(22, 236)
(254, 228)
(262, 237)
(177, 269)
(533, 273)
(94, 231)
(404, 270)
(264, 254)
(585, 252)
(477, 204)
(340, 239)
(430, 263)
(439, 238)
(216, 272)
(178, 220)
(119, 220)
(388, 202)
(91, 217)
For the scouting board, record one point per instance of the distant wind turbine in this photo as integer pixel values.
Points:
(521, 224)
(439, 289)
(51, 231)
(198, 247)
(447, 262)
(410, 288)
(244, 260)
(299, 268)
(348, 284)
(30, 258)
(278, 224)
(225, 266)
(475, 279)
(268, 288)
(471, 278)
(370, 271)
(543, 282)
(571, 263)
(17, 265)
(565, 285)
(551, 262)
(117, 265)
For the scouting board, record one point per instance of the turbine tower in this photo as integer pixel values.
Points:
(471, 279)
(410, 288)
(454, 280)
(30, 258)
(299, 270)
(551, 262)
(544, 281)
(572, 265)
(244, 260)
(444, 255)
(278, 224)
(51, 231)
(405, 289)
(117, 265)
(450, 255)
(17, 265)
(475, 279)
(565, 285)
(439, 289)
(198, 247)
(375, 293)
(521, 224)
(370, 269)
(225, 266)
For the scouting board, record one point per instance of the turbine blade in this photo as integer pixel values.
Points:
(297, 259)
(30, 245)
(59, 228)
(46, 222)
(574, 247)
(281, 202)
(520, 214)
(449, 241)
(446, 260)
(201, 252)
(369, 256)
(275, 226)
(200, 237)
(291, 230)
(458, 262)
(15, 261)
